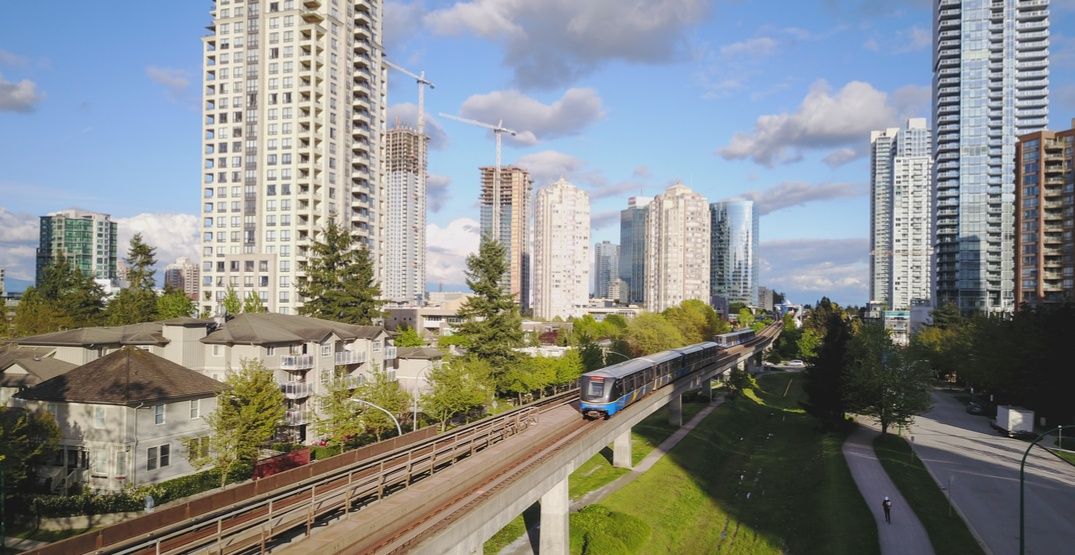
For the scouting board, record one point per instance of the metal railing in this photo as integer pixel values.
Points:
(295, 390)
(296, 362)
(350, 357)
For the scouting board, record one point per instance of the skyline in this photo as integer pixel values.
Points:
(742, 96)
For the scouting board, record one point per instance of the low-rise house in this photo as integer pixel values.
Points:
(414, 366)
(303, 353)
(122, 418)
(174, 339)
(24, 367)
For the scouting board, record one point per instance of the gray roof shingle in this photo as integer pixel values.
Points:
(269, 329)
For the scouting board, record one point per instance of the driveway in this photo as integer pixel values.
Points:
(983, 469)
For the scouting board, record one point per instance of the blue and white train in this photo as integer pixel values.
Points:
(608, 390)
(731, 339)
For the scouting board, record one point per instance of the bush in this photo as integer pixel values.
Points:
(318, 452)
(608, 532)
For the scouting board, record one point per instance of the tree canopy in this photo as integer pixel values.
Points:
(174, 304)
(138, 301)
(458, 386)
(385, 393)
(880, 383)
(409, 337)
(64, 298)
(339, 284)
(27, 440)
(492, 326)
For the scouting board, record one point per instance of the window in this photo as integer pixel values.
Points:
(98, 417)
(121, 464)
(166, 452)
(199, 448)
(158, 414)
(195, 408)
(326, 350)
(151, 458)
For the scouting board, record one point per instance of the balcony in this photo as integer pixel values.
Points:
(390, 352)
(296, 417)
(295, 390)
(350, 357)
(296, 362)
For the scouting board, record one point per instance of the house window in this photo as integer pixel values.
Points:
(166, 455)
(98, 417)
(270, 351)
(195, 408)
(216, 350)
(99, 466)
(326, 350)
(158, 457)
(151, 458)
(199, 448)
(121, 464)
(158, 414)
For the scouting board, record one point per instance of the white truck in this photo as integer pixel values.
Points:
(1014, 421)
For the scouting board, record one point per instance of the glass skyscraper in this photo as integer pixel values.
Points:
(990, 85)
(734, 252)
(632, 261)
(86, 240)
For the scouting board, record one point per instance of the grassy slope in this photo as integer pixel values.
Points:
(947, 532)
(801, 495)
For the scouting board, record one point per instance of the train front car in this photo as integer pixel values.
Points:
(610, 389)
(595, 389)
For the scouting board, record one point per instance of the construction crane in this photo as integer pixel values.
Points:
(497, 130)
(422, 82)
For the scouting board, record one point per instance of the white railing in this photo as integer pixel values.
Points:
(355, 380)
(296, 417)
(350, 357)
(390, 352)
(296, 362)
(295, 390)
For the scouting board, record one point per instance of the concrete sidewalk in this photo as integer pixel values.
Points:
(20, 544)
(905, 535)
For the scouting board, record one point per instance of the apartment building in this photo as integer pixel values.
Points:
(677, 248)
(990, 86)
(1045, 197)
(405, 228)
(514, 233)
(86, 240)
(292, 135)
(632, 262)
(606, 261)
(561, 251)
(183, 275)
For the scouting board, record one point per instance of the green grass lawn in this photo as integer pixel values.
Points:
(755, 477)
(947, 531)
(598, 471)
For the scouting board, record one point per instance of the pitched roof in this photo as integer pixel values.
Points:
(269, 329)
(36, 361)
(148, 333)
(124, 377)
(427, 353)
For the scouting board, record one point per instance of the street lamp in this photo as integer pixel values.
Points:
(399, 429)
(611, 352)
(1022, 475)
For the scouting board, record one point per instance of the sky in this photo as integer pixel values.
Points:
(771, 101)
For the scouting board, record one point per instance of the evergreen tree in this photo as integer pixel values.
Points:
(492, 326)
(27, 440)
(339, 282)
(252, 304)
(340, 421)
(385, 393)
(174, 304)
(824, 377)
(36, 315)
(65, 298)
(249, 409)
(231, 303)
(138, 302)
(881, 383)
(457, 387)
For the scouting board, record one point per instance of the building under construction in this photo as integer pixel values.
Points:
(405, 226)
(515, 192)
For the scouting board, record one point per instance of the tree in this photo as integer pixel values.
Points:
(252, 304)
(409, 337)
(824, 377)
(385, 393)
(27, 440)
(695, 320)
(138, 302)
(649, 333)
(35, 315)
(340, 420)
(339, 283)
(881, 383)
(491, 327)
(65, 298)
(231, 303)
(249, 409)
(457, 387)
(807, 343)
(746, 317)
(174, 304)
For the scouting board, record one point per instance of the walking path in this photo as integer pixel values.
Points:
(905, 535)
(21, 544)
(521, 545)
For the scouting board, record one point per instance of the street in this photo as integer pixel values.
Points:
(983, 469)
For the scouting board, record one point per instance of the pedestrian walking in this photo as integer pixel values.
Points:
(887, 506)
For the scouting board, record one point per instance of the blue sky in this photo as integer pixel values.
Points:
(768, 100)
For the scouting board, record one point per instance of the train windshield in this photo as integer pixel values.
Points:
(594, 389)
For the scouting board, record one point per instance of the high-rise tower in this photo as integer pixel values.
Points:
(405, 229)
(990, 85)
(606, 262)
(561, 250)
(677, 248)
(86, 240)
(514, 232)
(900, 188)
(734, 259)
(632, 261)
(292, 125)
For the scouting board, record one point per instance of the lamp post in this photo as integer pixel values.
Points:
(399, 429)
(1022, 487)
(414, 393)
(611, 352)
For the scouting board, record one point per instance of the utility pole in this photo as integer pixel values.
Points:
(497, 130)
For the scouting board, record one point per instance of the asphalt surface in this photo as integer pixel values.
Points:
(983, 469)
(905, 534)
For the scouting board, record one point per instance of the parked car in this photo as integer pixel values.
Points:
(796, 363)
(975, 408)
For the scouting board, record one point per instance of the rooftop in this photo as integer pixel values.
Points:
(270, 329)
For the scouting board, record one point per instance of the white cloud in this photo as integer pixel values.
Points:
(9, 58)
(18, 97)
(841, 156)
(401, 21)
(437, 191)
(549, 165)
(553, 42)
(823, 121)
(807, 269)
(797, 193)
(19, 233)
(173, 235)
(535, 121)
(407, 114)
(447, 249)
(758, 46)
(604, 219)
(175, 81)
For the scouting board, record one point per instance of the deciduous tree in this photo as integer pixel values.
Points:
(457, 387)
(231, 303)
(385, 393)
(174, 304)
(339, 283)
(880, 383)
(409, 337)
(649, 333)
(27, 439)
(252, 304)
(340, 420)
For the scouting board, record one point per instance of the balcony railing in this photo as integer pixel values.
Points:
(350, 357)
(296, 390)
(296, 417)
(390, 352)
(296, 362)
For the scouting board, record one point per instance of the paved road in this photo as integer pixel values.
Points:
(984, 471)
(905, 535)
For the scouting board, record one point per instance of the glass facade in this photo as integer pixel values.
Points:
(632, 263)
(734, 254)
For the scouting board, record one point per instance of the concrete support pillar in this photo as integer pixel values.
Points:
(555, 507)
(621, 450)
(709, 388)
(675, 410)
